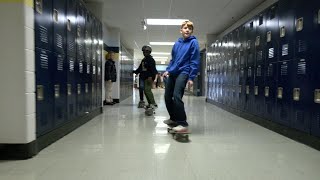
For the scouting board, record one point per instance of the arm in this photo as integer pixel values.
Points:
(138, 71)
(194, 60)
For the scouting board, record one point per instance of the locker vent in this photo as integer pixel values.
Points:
(71, 109)
(259, 56)
(302, 66)
(259, 73)
(302, 46)
(71, 44)
(59, 40)
(318, 119)
(88, 69)
(43, 34)
(59, 111)
(269, 108)
(271, 53)
(44, 61)
(284, 69)
(60, 63)
(300, 117)
(270, 70)
(285, 49)
(71, 66)
(80, 67)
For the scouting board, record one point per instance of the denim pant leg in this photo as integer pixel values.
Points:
(141, 89)
(168, 96)
(178, 93)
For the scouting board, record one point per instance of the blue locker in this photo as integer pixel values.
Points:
(44, 92)
(59, 26)
(80, 39)
(71, 27)
(59, 86)
(79, 77)
(270, 90)
(43, 24)
(303, 68)
(314, 50)
(284, 92)
(260, 54)
(71, 89)
(235, 69)
(286, 29)
(88, 59)
(272, 36)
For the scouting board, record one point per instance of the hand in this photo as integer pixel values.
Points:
(190, 83)
(150, 79)
(165, 74)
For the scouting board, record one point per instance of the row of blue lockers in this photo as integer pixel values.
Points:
(268, 66)
(68, 62)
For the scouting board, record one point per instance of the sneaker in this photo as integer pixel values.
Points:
(155, 105)
(141, 104)
(169, 121)
(180, 129)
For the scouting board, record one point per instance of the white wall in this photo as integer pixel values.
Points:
(111, 37)
(17, 73)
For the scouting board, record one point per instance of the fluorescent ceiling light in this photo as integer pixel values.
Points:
(162, 43)
(165, 21)
(161, 53)
(160, 57)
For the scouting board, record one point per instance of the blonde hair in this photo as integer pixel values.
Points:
(108, 55)
(188, 23)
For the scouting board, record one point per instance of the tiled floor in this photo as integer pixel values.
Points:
(124, 144)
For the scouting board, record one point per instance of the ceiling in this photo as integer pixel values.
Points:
(208, 16)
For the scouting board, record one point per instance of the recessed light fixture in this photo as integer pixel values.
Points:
(161, 53)
(165, 21)
(162, 43)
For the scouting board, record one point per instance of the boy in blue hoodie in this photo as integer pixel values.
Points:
(182, 69)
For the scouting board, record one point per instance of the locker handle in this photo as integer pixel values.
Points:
(299, 24)
(247, 89)
(269, 36)
(40, 94)
(69, 89)
(296, 94)
(266, 91)
(79, 89)
(257, 41)
(280, 93)
(87, 87)
(39, 6)
(56, 15)
(256, 90)
(69, 25)
(283, 31)
(317, 96)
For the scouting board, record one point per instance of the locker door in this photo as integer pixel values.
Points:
(272, 35)
(59, 26)
(284, 92)
(71, 89)
(80, 31)
(44, 92)
(270, 90)
(43, 24)
(60, 89)
(71, 27)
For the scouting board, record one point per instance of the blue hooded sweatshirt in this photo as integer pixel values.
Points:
(185, 57)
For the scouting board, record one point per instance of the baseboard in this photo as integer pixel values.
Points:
(289, 132)
(25, 151)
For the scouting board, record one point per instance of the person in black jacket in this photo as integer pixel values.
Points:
(110, 76)
(147, 72)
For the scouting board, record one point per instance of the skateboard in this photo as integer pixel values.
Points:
(149, 111)
(180, 137)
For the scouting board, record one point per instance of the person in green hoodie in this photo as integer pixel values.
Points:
(182, 69)
(147, 72)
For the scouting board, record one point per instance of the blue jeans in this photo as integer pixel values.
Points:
(141, 88)
(173, 97)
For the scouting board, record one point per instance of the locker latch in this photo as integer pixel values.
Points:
(92, 88)
(57, 91)
(256, 90)
(266, 91)
(69, 89)
(40, 96)
(296, 94)
(55, 15)
(87, 88)
(69, 25)
(269, 36)
(240, 89)
(299, 24)
(257, 41)
(317, 96)
(247, 89)
(280, 92)
(79, 89)
(283, 31)
(39, 6)
(248, 44)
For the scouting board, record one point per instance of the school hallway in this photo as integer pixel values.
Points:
(124, 144)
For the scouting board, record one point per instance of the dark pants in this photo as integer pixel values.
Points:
(174, 91)
(141, 88)
(148, 92)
